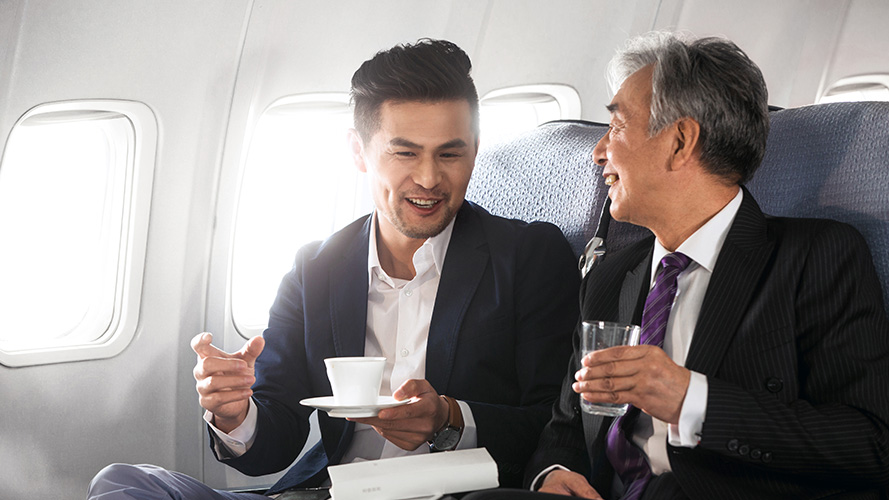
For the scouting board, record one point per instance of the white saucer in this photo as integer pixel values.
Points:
(325, 403)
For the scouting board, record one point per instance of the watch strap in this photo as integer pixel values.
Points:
(455, 414)
(448, 437)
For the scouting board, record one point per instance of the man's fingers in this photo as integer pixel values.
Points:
(206, 367)
(409, 426)
(251, 350)
(411, 416)
(414, 388)
(416, 418)
(619, 353)
(216, 399)
(607, 390)
(201, 344)
(218, 383)
(561, 482)
(652, 382)
(416, 409)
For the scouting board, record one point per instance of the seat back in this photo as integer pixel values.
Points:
(831, 161)
(828, 161)
(548, 174)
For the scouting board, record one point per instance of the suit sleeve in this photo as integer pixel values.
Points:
(831, 424)
(545, 296)
(562, 441)
(282, 425)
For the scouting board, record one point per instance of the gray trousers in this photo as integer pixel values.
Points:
(149, 482)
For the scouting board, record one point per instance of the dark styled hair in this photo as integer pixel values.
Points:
(712, 81)
(427, 71)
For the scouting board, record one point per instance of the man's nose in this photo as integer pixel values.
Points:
(599, 155)
(428, 173)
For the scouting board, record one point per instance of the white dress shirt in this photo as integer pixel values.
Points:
(702, 248)
(399, 313)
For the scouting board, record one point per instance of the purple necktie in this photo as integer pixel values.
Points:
(628, 460)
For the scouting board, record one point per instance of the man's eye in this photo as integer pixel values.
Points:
(450, 155)
(405, 154)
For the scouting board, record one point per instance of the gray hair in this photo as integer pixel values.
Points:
(711, 81)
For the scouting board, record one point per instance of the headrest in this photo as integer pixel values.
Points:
(548, 174)
(831, 161)
(827, 160)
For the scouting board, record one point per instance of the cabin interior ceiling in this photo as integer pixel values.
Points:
(207, 69)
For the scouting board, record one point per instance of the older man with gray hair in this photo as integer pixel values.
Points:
(765, 366)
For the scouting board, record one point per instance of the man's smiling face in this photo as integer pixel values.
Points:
(637, 162)
(419, 163)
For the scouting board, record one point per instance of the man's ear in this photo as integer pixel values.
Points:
(686, 141)
(356, 147)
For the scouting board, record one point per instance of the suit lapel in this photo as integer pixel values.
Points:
(629, 310)
(633, 292)
(348, 295)
(741, 262)
(464, 265)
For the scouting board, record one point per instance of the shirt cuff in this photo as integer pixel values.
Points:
(469, 438)
(539, 477)
(238, 441)
(691, 418)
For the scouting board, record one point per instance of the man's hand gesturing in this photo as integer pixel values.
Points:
(223, 380)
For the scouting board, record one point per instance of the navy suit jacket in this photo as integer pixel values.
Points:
(794, 341)
(501, 329)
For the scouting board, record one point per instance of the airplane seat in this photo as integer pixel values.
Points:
(831, 161)
(826, 160)
(548, 174)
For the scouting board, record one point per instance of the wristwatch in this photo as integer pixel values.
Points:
(447, 438)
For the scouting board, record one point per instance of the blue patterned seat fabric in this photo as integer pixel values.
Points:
(548, 174)
(827, 160)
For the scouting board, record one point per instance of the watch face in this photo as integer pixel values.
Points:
(446, 439)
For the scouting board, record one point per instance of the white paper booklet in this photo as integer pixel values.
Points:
(414, 476)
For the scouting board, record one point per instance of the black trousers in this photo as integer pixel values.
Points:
(507, 494)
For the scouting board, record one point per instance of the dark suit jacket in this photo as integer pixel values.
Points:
(500, 332)
(794, 341)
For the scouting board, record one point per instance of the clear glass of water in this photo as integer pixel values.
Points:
(598, 335)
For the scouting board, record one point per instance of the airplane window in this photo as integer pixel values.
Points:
(508, 112)
(858, 88)
(299, 185)
(66, 187)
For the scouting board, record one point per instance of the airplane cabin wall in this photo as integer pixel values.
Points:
(62, 423)
(863, 43)
(208, 69)
(789, 40)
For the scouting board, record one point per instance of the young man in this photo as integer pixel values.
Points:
(473, 312)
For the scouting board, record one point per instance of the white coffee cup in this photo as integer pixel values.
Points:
(355, 380)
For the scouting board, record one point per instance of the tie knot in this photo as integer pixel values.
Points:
(676, 261)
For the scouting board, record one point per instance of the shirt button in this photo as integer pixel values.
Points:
(408, 293)
(404, 353)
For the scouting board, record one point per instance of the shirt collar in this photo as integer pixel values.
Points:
(437, 245)
(703, 245)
